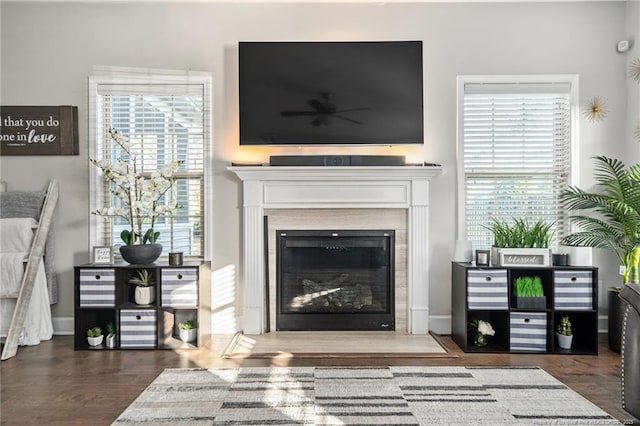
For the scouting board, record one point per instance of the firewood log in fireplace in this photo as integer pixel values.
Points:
(336, 293)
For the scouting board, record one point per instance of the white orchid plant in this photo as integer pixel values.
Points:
(139, 194)
(483, 327)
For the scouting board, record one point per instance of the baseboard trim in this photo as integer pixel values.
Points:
(603, 323)
(440, 324)
(63, 326)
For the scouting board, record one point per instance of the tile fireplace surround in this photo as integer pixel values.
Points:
(268, 188)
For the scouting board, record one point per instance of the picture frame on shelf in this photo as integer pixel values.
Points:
(483, 257)
(103, 255)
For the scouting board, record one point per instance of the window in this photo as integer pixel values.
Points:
(165, 117)
(514, 151)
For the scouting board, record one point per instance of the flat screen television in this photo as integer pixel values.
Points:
(331, 93)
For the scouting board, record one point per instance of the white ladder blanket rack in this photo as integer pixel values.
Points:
(28, 279)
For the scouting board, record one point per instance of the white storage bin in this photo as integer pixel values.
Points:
(138, 328)
(573, 290)
(179, 287)
(528, 331)
(487, 289)
(97, 288)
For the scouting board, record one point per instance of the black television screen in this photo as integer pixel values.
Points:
(331, 93)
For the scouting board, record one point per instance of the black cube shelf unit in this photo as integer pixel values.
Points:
(103, 294)
(486, 293)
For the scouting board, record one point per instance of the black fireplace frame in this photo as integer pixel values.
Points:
(336, 321)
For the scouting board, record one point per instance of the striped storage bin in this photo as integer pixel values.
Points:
(97, 288)
(138, 328)
(573, 290)
(487, 289)
(528, 331)
(179, 287)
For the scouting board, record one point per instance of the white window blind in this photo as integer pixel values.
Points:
(163, 121)
(515, 154)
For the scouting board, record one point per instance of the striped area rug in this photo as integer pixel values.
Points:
(360, 396)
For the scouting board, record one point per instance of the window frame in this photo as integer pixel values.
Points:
(573, 176)
(118, 75)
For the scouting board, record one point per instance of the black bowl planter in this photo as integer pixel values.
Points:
(141, 254)
(531, 302)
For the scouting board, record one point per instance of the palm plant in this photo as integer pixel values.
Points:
(615, 223)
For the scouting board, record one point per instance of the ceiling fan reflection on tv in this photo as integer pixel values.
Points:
(324, 111)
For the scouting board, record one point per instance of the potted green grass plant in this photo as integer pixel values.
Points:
(529, 293)
(511, 237)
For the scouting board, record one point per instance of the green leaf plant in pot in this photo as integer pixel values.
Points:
(94, 336)
(188, 331)
(565, 335)
(610, 219)
(140, 197)
(110, 341)
(145, 291)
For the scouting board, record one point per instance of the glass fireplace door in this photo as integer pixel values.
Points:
(335, 280)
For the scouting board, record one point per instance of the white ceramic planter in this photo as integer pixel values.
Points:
(95, 341)
(110, 342)
(564, 341)
(145, 295)
(188, 336)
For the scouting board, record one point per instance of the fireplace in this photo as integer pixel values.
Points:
(335, 280)
(310, 189)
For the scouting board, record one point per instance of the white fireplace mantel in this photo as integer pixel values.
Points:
(283, 187)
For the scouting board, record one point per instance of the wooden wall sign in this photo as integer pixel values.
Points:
(39, 130)
(525, 257)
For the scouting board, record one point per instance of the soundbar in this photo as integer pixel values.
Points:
(337, 160)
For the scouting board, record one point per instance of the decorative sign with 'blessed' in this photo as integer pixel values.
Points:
(525, 257)
(39, 130)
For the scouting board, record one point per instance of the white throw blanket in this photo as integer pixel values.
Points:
(16, 235)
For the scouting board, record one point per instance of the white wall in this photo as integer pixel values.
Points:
(633, 87)
(49, 49)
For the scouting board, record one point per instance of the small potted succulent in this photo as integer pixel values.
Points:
(94, 336)
(565, 335)
(111, 336)
(188, 331)
(145, 293)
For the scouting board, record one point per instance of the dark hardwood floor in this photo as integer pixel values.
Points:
(53, 384)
